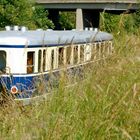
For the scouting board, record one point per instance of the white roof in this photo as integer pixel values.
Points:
(51, 37)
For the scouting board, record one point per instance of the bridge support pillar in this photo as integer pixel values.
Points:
(87, 18)
(54, 16)
(79, 19)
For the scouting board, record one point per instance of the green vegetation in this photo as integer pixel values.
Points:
(109, 22)
(129, 22)
(67, 20)
(23, 13)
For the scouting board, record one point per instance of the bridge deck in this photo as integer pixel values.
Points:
(88, 1)
(88, 10)
(90, 4)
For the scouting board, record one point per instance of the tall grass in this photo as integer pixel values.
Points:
(105, 105)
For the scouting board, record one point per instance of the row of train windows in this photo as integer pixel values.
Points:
(70, 55)
(67, 56)
(58, 57)
(64, 57)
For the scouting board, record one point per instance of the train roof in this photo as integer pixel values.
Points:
(52, 37)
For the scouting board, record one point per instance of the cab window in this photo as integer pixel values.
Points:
(3, 61)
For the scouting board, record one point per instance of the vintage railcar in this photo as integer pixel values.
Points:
(27, 55)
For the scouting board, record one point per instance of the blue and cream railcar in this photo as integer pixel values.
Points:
(25, 56)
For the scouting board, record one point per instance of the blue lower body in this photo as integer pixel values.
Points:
(27, 85)
(34, 85)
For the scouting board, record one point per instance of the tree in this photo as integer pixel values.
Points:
(135, 18)
(109, 22)
(40, 17)
(115, 23)
(23, 13)
(67, 20)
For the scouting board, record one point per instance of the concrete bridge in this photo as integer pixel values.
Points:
(88, 11)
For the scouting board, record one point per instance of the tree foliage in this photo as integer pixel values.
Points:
(67, 20)
(23, 13)
(108, 21)
(128, 22)
(40, 18)
(136, 19)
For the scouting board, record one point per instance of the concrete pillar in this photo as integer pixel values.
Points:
(54, 16)
(91, 18)
(87, 18)
(79, 19)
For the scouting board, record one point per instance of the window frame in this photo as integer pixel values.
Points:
(30, 64)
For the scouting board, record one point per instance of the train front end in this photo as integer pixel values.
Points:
(15, 83)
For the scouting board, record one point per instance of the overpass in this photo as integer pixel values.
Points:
(88, 11)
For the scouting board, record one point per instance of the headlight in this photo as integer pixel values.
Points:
(14, 90)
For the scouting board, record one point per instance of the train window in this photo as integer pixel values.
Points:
(3, 61)
(107, 48)
(110, 47)
(39, 60)
(98, 50)
(87, 52)
(68, 54)
(30, 62)
(94, 52)
(81, 53)
(103, 49)
(75, 55)
(44, 60)
(61, 57)
(52, 59)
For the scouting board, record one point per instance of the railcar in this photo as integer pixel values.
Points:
(27, 56)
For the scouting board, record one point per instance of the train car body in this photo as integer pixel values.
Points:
(28, 56)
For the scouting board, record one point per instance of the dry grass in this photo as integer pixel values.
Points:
(106, 105)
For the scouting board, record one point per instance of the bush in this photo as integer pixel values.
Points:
(127, 22)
